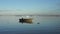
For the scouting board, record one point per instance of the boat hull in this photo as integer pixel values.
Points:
(25, 20)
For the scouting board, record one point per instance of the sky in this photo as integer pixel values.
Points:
(19, 7)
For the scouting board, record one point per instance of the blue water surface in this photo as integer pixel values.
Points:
(47, 25)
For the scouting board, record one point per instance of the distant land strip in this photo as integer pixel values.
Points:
(29, 15)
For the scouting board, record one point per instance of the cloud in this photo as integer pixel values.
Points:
(30, 11)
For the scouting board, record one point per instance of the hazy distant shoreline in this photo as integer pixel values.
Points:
(29, 15)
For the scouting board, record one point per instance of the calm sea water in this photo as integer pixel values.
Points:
(47, 25)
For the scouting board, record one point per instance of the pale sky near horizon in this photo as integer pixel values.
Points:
(50, 7)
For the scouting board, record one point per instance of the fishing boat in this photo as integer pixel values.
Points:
(25, 20)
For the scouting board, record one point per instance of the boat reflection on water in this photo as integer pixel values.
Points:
(25, 20)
